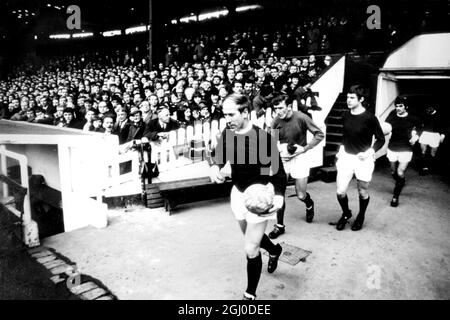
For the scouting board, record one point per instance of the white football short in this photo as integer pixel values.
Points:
(400, 156)
(298, 166)
(240, 211)
(349, 164)
(432, 139)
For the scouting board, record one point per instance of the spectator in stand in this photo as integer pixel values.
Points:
(249, 89)
(58, 117)
(146, 112)
(89, 116)
(205, 113)
(262, 100)
(184, 115)
(326, 62)
(324, 44)
(41, 117)
(159, 128)
(96, 124)
(69, 120)
(108, 124)
(313, 35)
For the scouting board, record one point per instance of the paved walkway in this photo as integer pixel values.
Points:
(197, 252)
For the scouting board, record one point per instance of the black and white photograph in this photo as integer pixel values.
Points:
(214, 153)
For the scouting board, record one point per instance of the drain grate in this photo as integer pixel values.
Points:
(292, 254)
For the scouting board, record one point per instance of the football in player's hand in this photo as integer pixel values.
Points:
(259, 198)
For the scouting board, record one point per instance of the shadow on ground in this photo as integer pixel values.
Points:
(22, 277)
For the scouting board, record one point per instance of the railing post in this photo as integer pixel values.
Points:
(30, 227)
(3, 169)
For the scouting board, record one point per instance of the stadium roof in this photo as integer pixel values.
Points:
(50, 15)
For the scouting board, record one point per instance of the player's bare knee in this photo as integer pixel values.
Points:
(251, 250)
(341, 194)
(301, 195)
(363, 193)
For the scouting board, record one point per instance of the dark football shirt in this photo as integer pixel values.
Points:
(401, 131)
(252, 156)
(359, 130)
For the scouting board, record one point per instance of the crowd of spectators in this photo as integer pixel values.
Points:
(119, 95)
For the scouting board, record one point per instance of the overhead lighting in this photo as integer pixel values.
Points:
(59, 36)
(82, 35)
(246, 8)
(111, 33)
(35, 37)
(212, 15)
(188, 19)
(49, 5)
(136, 29)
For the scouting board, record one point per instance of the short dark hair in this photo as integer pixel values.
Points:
(280, 98)
(359, 90)
(68, 110)
(401, 100)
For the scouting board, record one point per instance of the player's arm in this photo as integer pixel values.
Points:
(278, 178)
(379, 140)
(379, 136)
(317, 134)
(217, 160)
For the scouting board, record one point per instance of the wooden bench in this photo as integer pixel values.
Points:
(179, 192)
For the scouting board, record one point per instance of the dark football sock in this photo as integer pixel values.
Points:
(308, 201)
(399, 186)
(343, 201)
(254, 267)
(268, 245)
(363, 203)
(280, 214)
(395, 176)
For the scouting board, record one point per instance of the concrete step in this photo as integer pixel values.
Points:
(329, 158)
(332, 146)
(334, 120)
(334, 137)
(329, 153)
(335, 125)
(328, 174)
(334, 134)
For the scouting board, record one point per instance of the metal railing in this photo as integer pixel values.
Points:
(21, 208)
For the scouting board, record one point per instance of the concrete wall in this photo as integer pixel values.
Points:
(43, 159)
(387, 91)
(423, 51)
(329, 86)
